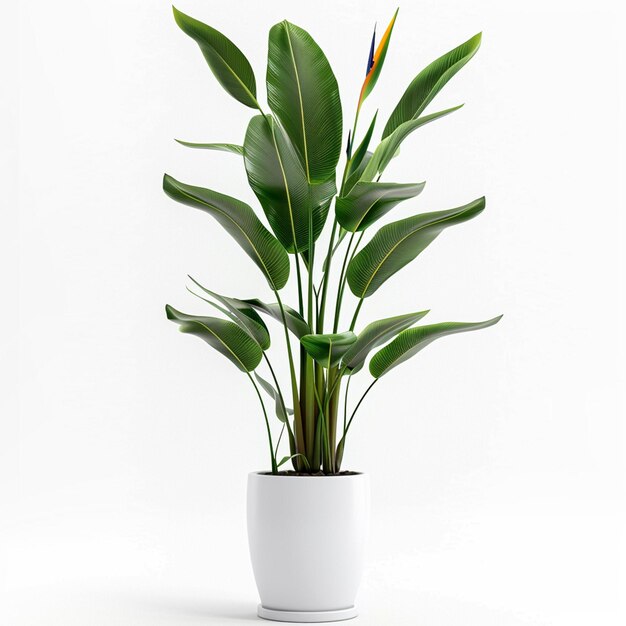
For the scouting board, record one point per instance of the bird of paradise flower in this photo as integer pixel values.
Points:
(374, 66)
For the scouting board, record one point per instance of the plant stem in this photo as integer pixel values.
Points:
(280, 436)
(356, 119)
(280, 393)
(282, 399)
(356, 408)
(267, 424)
(345, 405)
(333, 405)
(324, 429)
(356, 314)
(344, 279)
(309, 370)
(297, 420)
(339, 289)
(300, 301)
(325, 280)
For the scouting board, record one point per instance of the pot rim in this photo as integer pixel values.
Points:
(266, 474)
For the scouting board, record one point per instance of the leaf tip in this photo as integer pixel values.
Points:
(179, 16)
(168, 182)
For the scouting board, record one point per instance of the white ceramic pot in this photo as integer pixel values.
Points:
(307, 537)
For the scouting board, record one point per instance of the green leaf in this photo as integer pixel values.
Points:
(295, 322)
(282, 411)
(241, 223)
(389, 146)
(411, 341)
(293, 456)
(429, 82)
(279, 181)
(226, 337)
(226, 60)
(244, 315)
(342, 234)
(375, 334)
(360, 152)
(398, 243)
(339, 453)
(368, 202)
(357, 174)
(222, 310)
(328, 349)
(221, 147)
(303, 94)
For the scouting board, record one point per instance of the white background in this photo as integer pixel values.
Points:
(496, 457)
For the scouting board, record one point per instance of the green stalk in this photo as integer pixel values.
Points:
(356, 119)
(308, 384)
(356, 314)
(356, 408)
(280, 393)
(345, 404)
(282, 399)
(339, 286)
(344, 279)
(342, 442)
(317, 448)
(267, 424)
(280, 436)
(329, 258)
(297, 417)
(324, 432)
(300, 301)
(333, 405)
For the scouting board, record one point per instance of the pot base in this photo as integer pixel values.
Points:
(306, 617)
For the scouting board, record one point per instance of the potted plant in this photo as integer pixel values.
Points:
(307, 525)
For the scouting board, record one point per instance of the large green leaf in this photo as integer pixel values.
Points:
(429, 82)
(295, 322)
(226, 337)
(241, 223)
(411, 341)
(327, 350)
(375, 334)
(368, 202)
(388, 147)
(303, 94)
(398, 243)
(221, 147)
(282, 412)
(226, 60)
(279, 181)
(243, 314)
